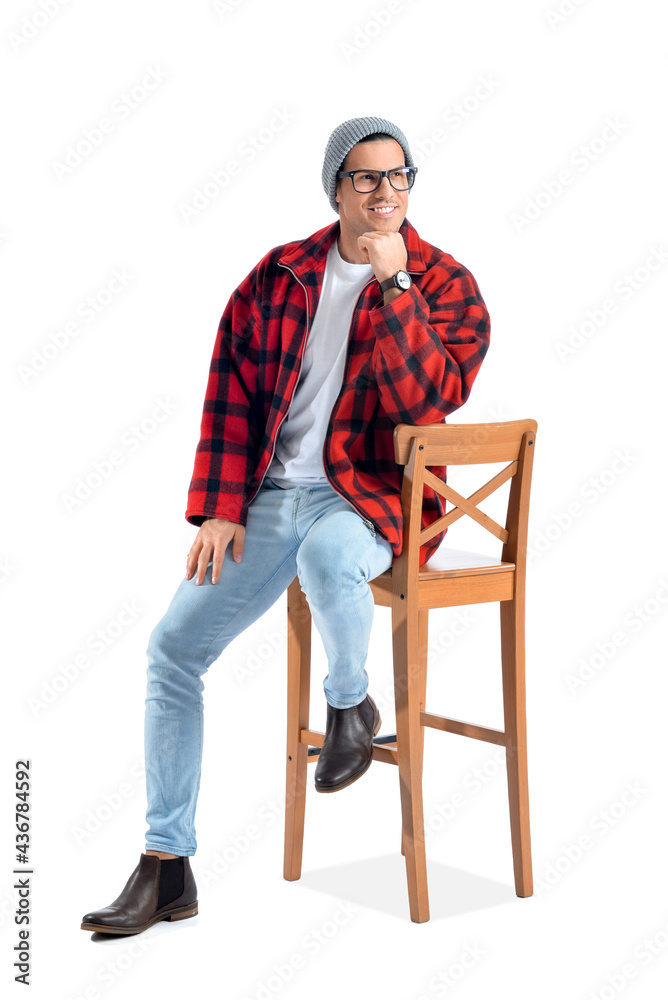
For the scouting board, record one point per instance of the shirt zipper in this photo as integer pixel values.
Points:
(370, 524)
(273, 447)
(373, 528)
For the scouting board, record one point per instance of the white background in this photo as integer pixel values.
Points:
(520, 94)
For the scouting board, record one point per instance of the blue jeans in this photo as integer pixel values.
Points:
(309, 531)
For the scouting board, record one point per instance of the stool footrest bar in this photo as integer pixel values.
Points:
(463, 728)
(314, 740)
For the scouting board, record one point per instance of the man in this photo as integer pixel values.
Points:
(323, 348)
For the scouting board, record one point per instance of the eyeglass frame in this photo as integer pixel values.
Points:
(383, 173)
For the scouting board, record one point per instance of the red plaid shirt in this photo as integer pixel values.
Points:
(411, 361)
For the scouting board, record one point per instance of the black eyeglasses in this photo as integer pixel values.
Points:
(366, 181)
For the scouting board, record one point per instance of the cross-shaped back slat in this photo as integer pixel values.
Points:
(469, 505)
(442, 445)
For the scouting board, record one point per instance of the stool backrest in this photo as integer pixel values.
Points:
(418, 446)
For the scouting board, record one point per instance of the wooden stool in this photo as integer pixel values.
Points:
(449, 579)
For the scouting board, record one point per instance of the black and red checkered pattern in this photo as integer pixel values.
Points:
(411, 361)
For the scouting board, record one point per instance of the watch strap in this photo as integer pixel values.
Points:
(391, 282)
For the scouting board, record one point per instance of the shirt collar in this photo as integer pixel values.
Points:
(311, 253)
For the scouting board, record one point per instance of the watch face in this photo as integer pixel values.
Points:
(403, 279)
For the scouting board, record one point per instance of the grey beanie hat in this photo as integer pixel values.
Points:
(342, 140)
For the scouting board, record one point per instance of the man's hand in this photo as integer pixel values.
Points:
(386, 253)
(214, 536)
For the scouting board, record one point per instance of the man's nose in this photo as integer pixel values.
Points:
(385, 188)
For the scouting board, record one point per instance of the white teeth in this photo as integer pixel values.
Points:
(383, 211)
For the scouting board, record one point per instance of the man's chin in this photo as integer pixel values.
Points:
(392, 224)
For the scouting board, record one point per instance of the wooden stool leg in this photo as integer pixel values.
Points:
(514, 707)
(423, 643)
(408, 687)
(299, 686)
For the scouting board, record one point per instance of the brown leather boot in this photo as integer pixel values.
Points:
(157, 890)
(347, 749)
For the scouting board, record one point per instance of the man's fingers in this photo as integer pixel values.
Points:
(202, 563)
(221, 548)
(191, 559)
(218, 559)
(238, 543)
(212, 540)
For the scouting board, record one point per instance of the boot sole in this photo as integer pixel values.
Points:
(181, 913)
(350, 781)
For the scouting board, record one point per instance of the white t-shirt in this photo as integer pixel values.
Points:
(297, 459)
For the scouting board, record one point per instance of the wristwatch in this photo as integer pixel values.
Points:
(400, 280)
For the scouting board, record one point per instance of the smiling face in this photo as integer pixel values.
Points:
(384, 209)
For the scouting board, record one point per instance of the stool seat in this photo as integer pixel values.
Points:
(451, 577)
(447, 561)
(487, 578)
